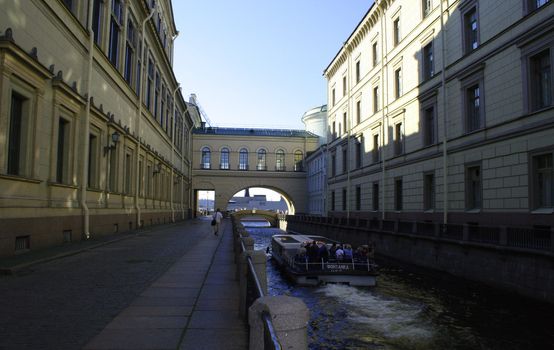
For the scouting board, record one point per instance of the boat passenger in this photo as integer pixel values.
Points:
(332, 251)
(312, 251)
(323, 252)
(348, 252)
(339, 253)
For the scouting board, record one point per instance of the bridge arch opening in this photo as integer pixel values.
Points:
(265, 198)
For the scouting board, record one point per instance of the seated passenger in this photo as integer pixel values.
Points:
(348, 252)
(339, 253)
(332, 251)
(301, 252)
(322, 251)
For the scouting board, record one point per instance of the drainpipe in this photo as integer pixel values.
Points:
(444, 141)
(139, 116)
(191, 194)
(383, 119)
(85, 158)
(173, 150)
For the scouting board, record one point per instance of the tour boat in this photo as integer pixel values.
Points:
(355, 272)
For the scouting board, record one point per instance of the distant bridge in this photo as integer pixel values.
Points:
(270, 216)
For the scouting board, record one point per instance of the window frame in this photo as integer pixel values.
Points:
(465, 10)
(428, 69)
(534, 196)
(280, 158)
(476, 78)
(261, 162)
(429, 191)
(398, 194)
(224, 158)
(243, 159)
(206, 158)
(473, 203)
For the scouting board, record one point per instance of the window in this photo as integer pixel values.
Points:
(243, 159)
(92, 161)
(358, 198)
(375, 196)
(375, 151)
(140, 178)
(261, 165)
(541, 80)
(344, 160)
(358, 112)
(334, 130)
(344, 87)
(398, 83)
(156, 95)
(112, 174)
(97, 21)
(429, 191)
(398, 139)
(17, 142)
(473, 108)
(426, 7)
(357, 72)
(163, 120)
(280, 160)
(542, 181)
(471, 30)
(333, 164)
(376, 99)
(429, 126)
(428, 62)
(69, 4)
(206, 158)
(344, 116)
(128, 178)
(298, 157)
(224, 162)
(535, 4)
(333, 95)
(396, 31)
(115, 29)
(138, 80)
(473, 187)
(130, 52)
(149, 84)
(332, 200)
(148, 184)
(359, 154)
(62, 160)
(375, 53)
(398, 194)
(344, 199)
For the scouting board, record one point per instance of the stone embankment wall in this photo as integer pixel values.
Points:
(528, 272)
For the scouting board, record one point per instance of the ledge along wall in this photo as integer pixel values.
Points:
(523, 271)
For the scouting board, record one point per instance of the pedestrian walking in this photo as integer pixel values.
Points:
(216, 221)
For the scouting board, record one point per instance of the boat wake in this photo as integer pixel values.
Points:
(391, 318)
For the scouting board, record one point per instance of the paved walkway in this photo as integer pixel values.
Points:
(194, 305)
(165, 287)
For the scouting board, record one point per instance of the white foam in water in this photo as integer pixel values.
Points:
(392, 318)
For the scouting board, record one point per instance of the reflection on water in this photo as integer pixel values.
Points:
(255, 223)
(412, 309)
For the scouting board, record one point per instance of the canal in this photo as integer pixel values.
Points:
(417, 309)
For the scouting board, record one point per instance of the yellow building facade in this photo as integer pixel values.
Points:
(94, 133)
(441, 111)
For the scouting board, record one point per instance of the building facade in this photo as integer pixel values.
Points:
(94, 133)
(228, 160)
(315, 120)
(441, 111)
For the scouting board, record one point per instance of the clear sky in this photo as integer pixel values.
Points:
(259, 63)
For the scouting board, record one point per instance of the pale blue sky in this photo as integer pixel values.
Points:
(259, 63)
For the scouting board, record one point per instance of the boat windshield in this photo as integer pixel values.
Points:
(287, 239)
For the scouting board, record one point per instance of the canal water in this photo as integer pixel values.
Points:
(414, 309)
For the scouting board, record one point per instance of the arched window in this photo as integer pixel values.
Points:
(224, 162)
(206, 158)
(261, 160)
(280, 160)
(298, 157)
(243, 159)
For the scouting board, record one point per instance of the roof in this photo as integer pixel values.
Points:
(253, 132)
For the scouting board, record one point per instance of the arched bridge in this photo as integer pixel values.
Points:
(270, 216)
(228, 160)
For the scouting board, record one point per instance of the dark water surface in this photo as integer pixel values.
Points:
(411, 308)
